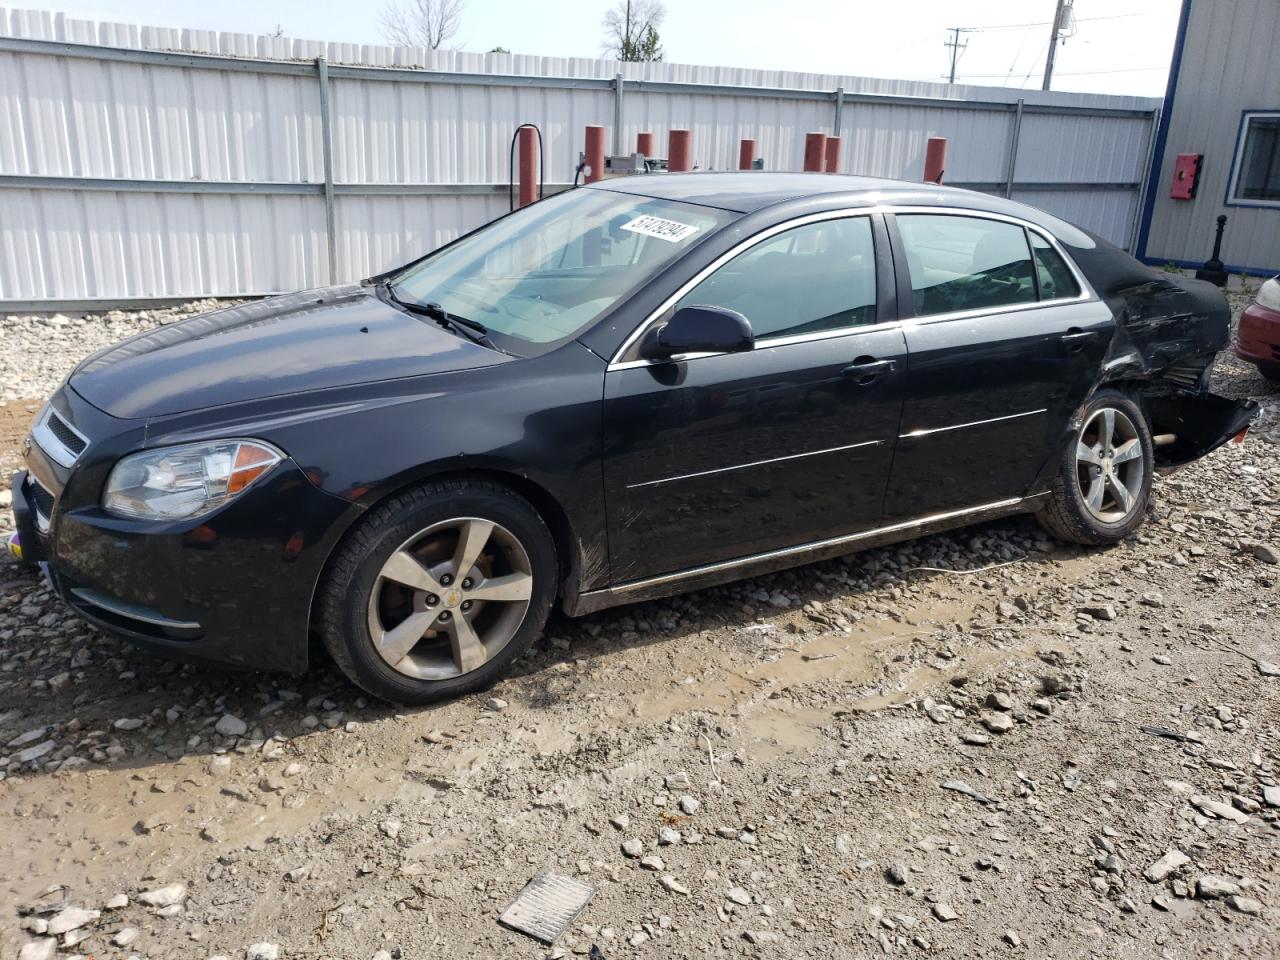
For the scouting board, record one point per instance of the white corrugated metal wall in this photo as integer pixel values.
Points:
(1230, 64)
(131, 169)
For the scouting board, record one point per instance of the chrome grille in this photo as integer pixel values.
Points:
(69, 438)
(59, 439)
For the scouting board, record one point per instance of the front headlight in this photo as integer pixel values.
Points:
(177, 483)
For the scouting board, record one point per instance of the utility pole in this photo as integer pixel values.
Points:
(1053, 44)
(956, 49)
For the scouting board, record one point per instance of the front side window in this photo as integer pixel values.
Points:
(810, 279)
(965, 263)
(544, 273)
(1256, 178)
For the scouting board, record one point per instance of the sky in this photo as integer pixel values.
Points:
(1119, 46)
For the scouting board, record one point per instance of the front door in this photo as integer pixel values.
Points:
(1004, 348)
(717, 457)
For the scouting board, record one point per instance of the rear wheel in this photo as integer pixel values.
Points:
(438, 591)
(1103, 486)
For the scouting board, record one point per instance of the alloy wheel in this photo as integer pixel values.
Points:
(450, 598)
(1109, 465)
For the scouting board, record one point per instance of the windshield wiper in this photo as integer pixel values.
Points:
(471, 329)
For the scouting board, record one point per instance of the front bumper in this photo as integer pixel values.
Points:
(1258, 336)
(234, 586)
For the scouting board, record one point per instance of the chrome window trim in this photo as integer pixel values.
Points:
(755, 463)
(1086, 294)
(48, 441)
(926, 431)
(769, 344)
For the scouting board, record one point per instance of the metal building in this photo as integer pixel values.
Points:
(1218, 146)
(141, 164)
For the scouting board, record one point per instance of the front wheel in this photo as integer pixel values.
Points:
(438, 591)
(1101, 492)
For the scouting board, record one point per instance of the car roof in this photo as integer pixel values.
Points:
(747, 191)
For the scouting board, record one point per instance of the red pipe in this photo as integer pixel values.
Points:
(595, 155)
(678, 151)
(528, 166)
(644, 144)
(815, 152)
(746, 154)
(832, 164)
(935, 159)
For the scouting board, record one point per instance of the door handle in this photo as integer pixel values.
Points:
(1074, 340)
(867, 370)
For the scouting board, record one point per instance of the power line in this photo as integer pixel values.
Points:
(1081, 73)
(1026, 35)
(1046, 23)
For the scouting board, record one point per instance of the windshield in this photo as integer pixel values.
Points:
(546, 272)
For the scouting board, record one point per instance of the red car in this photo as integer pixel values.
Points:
(1258, 339)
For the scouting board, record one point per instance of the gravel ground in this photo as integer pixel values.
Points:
(982, 743)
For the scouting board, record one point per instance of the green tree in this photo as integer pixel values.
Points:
(631, 30)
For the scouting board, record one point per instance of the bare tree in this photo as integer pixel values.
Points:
(421, 23)
(631, 30)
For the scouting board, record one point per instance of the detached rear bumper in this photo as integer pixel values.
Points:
(1200, 423)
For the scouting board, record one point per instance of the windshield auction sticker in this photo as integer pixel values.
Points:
(670, 230)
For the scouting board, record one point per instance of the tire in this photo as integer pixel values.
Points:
(1076, 512)
(397, 575)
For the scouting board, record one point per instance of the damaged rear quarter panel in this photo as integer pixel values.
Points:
(1168, 333)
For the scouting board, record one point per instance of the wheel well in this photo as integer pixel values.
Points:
(539, 498)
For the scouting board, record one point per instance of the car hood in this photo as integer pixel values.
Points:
(332, 337)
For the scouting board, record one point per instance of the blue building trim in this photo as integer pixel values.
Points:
(1162, 135)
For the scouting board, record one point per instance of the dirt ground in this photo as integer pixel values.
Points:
(982, 743)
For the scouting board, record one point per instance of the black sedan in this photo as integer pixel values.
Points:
(622, 392)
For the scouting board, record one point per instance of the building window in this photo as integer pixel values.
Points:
(1256, 177)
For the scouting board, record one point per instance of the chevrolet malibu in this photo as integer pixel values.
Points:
(625, 391)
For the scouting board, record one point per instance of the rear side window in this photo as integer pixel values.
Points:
(965, 263)
(809, 279)
(1055, 277)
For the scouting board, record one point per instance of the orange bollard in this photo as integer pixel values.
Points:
(528, 166)
(679, 157)
(815, 152)
(832, 160)
(746, 154)
(644, 144)
(935, 159)
(595, 155)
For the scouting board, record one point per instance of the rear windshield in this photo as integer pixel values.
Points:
(547, 272)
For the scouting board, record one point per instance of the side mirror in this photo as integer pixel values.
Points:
(697, 329)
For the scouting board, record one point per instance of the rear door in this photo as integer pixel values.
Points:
(1005, 345)
(712, 458)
